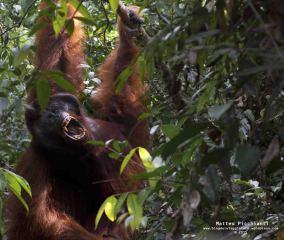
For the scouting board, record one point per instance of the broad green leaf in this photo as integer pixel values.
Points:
(148, 164)
(50, 3)
(70, 26)
(86, 21)
(127, 159)
(114, 5)
(145, 115)
(146, 159)
(60, 17)
(15, 189)
(206, 95)
(59, 79)
(120, 203)
(217, 111)
(80, 7)
(110, 208)
(135, 210)
(15, 184)
(184, 135)
(241, 182)
(116, 146)
(23, 183)
(21, 55)
(100, 213)
(170, 130)
(96, 142)
(123, 144)
(114, 155)
(42, 92)
(122, 79)
(155, 174)
(143, 195)
(247, 158)
(191, 148)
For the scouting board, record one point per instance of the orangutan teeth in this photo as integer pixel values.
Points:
(72, 128)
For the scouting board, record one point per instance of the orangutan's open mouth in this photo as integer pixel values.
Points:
(72, 128)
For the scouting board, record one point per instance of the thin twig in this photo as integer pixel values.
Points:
(107, 22)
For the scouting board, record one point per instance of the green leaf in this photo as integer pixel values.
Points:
(144, 116)
(217, 111)
(122, 79)
(60, 17)
(135, 209)
(170, 130)
(42, 92)
(127, 159)
(59, 79)
(114, 155)
(123, 144)
(70, 26)
(99, 214)
(116, 146)
(185, 134)
(155, 174)
(86, 21)
(97, 143)
(114, 5)
(143, 195)
(110, 208)
(21, 55)
(80, 7)
(247, 158)
(16, 183)
(146, 159)
(50, 3)
(206, 95)
(120, 203)
(191, 148)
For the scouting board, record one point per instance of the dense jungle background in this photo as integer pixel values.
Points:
(215, 72)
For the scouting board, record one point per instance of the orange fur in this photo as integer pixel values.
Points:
(63, 53)
(124, 107)
(65, 200)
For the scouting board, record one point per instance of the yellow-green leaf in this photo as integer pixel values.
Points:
(127, 159)
(114, 5)
(16, 184)
(135, 210)
(110, 208)
(99, 214)
(146, 159)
